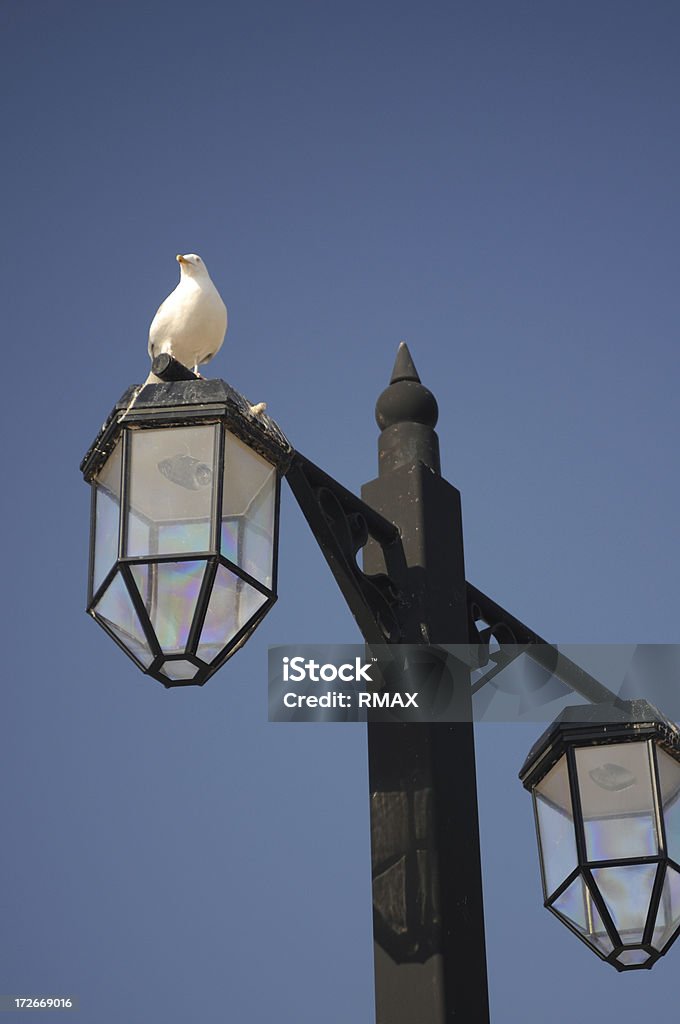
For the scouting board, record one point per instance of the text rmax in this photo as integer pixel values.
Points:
(344, 700)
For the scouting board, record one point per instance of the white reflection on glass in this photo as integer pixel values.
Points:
(179, 670)
(633, 956)
(170, 592)
(627, 891)
(668, 917)
(171, 490)
(117, 611)
(248, 506)
(576, 905)
(555, 826)
(617, 801)
(107, 517)
(669, 777)
(232, 603)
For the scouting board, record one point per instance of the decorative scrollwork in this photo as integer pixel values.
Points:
(342, 524)
(351, 533)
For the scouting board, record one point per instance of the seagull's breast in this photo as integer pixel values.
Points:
(190, 324)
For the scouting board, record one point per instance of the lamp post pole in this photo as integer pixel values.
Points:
(430, 961)
(428, 918)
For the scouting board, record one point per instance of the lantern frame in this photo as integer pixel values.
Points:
(601, 725)
(171, 405)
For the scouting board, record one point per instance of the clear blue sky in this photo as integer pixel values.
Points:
(495, 182)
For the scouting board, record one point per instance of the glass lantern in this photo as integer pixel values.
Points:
(185, 498)
(606, 789)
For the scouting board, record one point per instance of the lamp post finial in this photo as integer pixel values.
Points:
(407, 413)
(404, 368)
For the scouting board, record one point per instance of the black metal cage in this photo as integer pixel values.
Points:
(184, 525)
(606, 788)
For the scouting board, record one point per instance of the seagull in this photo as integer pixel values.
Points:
(190, 325)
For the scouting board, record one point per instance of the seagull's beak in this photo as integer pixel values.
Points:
(180, 258)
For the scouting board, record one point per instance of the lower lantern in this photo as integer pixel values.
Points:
(606, 789)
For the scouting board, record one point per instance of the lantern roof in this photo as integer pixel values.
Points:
(585, 724)
(181, 403)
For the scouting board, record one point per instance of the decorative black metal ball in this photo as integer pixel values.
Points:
(405, 399)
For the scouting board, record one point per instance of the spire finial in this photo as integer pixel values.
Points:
(405, 399)
(404, 368)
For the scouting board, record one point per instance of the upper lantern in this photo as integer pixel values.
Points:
(185, 497)
(606, 786)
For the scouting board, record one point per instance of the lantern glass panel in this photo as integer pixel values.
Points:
(171, 485)
(116, 610)
(576, 906)
(170, 592)
(179, 670)
(555, 826)
(668, 916)
(627, 892)
(617, 801)
(248, 506)
(633, 956)
(669, 777)
(107, 517)
(232, 603)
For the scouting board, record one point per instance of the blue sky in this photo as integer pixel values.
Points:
(497, 184)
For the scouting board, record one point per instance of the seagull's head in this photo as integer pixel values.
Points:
(191, 265)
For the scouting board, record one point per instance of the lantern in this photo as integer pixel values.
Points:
(185, 501)
(606, 787)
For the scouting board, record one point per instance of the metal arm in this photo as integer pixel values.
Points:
(508, 630)
(342, 524)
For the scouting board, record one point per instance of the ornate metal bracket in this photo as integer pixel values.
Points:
(341, 524)
(507, 630)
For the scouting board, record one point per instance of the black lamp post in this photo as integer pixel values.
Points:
(185, 482)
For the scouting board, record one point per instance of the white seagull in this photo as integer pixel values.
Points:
(190, 325)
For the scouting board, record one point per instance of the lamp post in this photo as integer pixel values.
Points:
(185, 481)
